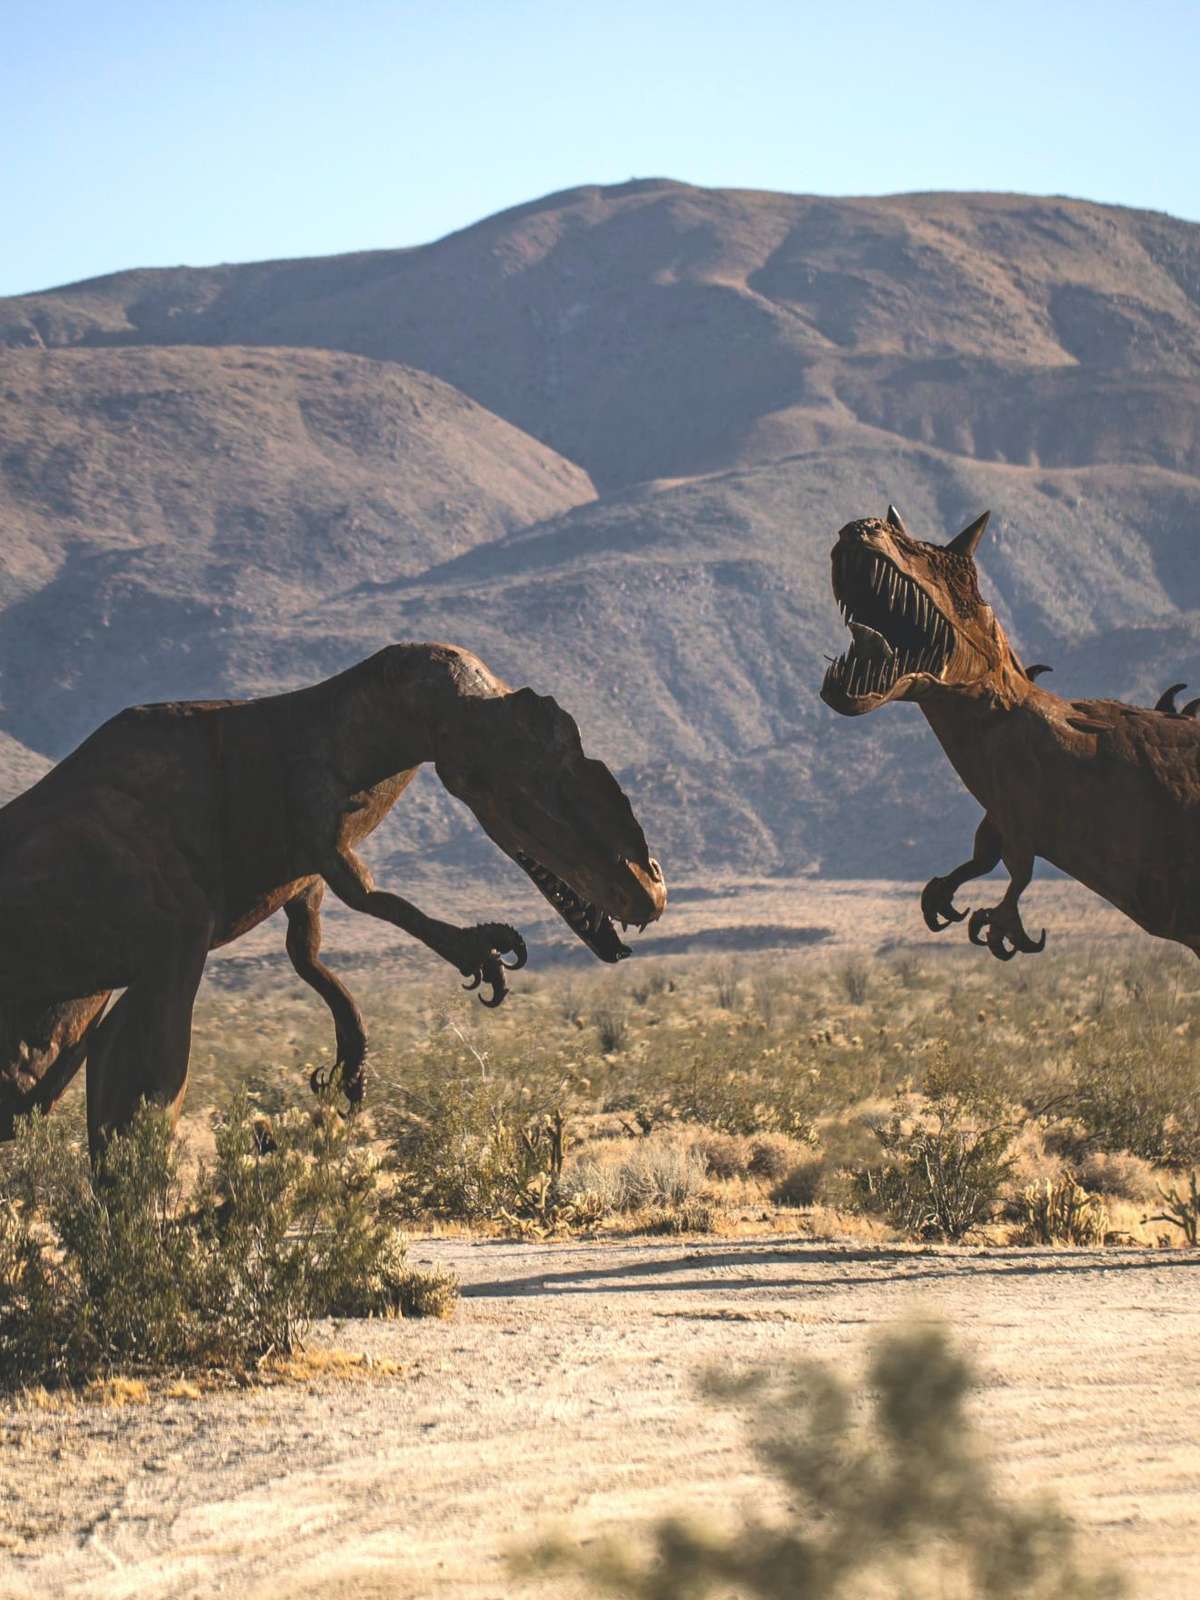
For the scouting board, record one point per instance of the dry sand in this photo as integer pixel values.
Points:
(563, 1395)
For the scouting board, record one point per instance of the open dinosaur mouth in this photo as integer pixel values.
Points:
(587, 920)
(897, 629)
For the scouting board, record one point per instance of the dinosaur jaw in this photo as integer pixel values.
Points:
(901, 641)
(590, 922)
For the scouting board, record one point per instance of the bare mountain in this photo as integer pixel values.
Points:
(242, 477)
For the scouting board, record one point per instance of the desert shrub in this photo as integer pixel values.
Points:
(1137, 1091)
(773, 1154)
(651, 979)
(425, 1294)
(297, 1222)
(904, 1502)
(734, 1080)
(104, 1273)
(478, 1152)
(570, 1003)
(854, 977)
(771, 990)
(1117, 1174)
(1061, 1212)
(611, 1018)
(727, 981)
(801, 1183)
(944, 1169)
(125, 1271)
(1182, 1210)
(725, 1155)
(1032, 1163)
(694, 1215)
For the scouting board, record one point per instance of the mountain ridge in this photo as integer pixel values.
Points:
(647, 410)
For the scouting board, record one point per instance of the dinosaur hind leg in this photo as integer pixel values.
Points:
(937, 897)
(1000, 926)
(140, 1051)
(303, 946)
(41, 1054)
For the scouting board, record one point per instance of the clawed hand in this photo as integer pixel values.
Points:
(481, 953)
(937, 905)
(1004, 935)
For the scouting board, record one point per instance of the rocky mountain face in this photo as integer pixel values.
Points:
(606, 440)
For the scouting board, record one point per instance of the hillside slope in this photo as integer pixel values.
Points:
(231, 479)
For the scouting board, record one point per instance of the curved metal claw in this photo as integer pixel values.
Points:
(492, 972)
(352, 1082)
(474, 982)
(979, 921)
(519, 952)
(1004, 939)
(938, 908)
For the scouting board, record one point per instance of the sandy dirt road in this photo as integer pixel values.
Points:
(562, 1395)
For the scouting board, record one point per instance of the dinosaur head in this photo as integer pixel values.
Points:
(517, 760)
(918, 623)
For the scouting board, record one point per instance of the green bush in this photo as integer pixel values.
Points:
(125, 1271)
(903, 1505)
(480, 1153)
(943, 1172)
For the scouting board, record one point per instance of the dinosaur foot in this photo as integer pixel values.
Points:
(349, 1077)
(480, 957)
(999, 927)
(937, 905)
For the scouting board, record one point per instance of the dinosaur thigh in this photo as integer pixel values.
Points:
(40, 1053)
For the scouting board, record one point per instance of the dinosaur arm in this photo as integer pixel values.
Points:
(476, 952)
(304, 946)
(937, 897)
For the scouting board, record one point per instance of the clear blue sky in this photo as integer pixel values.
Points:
(152, 132)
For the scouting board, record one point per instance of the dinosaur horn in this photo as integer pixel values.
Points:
(968, 540)
(1190, 710)
(895, 520)
(1034, 672)
(1166, 700)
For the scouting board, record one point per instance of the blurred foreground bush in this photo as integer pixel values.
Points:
(902, 1507)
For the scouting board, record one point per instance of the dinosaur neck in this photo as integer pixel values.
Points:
(963, 715)
(402, 707)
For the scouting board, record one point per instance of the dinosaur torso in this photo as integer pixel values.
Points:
(1107, 792)
(216, 789)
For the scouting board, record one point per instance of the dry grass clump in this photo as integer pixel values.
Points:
(901, 1503)
(130, 1271)
(659, 1171)
(695, 1215)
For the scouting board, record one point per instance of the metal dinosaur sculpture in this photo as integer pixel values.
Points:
(1108, 792)
(175, 828)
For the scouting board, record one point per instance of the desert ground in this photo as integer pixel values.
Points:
(562, 1396)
